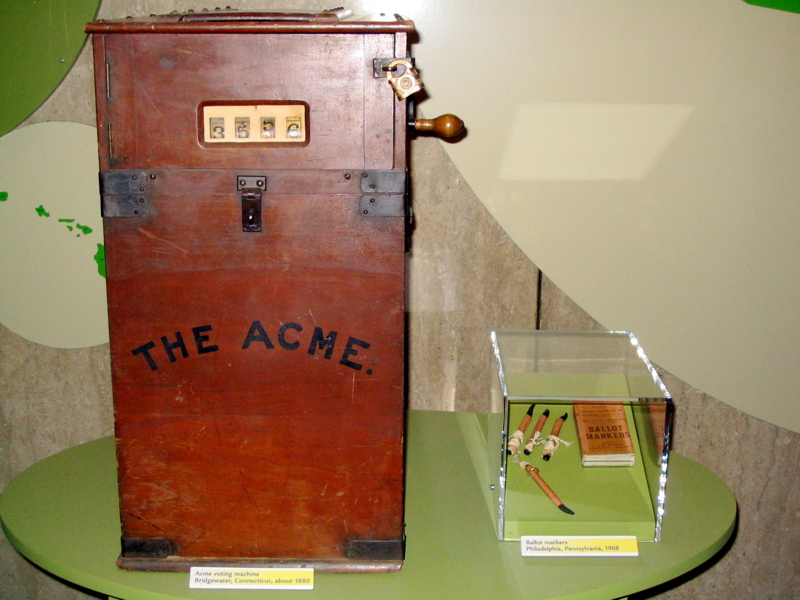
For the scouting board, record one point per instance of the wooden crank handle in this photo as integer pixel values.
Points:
(446, 126)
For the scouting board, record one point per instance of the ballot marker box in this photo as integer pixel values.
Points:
(579, 436)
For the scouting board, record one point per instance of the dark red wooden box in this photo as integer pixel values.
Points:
(253, 178)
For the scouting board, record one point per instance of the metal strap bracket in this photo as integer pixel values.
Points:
(384, 194)
(376, 549)
(124, 193)
(147, 547)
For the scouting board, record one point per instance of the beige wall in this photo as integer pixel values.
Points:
(466, 277)
(644, 155)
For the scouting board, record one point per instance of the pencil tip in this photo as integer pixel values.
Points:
(546, 457)
(565, 509)
(565, 416)
(546, 413)
(526, 451)
(530, 410)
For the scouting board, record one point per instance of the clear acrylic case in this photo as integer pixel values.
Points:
(554, 371)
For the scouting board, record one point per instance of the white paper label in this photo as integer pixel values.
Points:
(251, 579)
(574, 545)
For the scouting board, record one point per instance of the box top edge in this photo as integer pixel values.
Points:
(250, 22)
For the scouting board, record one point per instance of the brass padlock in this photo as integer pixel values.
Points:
(405, 83)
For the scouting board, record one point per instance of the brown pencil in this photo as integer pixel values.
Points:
(518, 436)
(550, 447)
(536, 430)
(534, 473)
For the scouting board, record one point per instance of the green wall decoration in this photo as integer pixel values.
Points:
(52, 259)
(788, 5)
(40, 42)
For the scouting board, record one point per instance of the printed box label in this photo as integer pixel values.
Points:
(573, 545)
(251, 579)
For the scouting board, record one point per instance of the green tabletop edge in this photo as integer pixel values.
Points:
(451, 548)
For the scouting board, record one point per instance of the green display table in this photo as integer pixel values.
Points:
(62, 514)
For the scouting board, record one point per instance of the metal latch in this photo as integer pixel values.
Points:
(251, 187)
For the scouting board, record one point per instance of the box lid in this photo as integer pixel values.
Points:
(234, 21)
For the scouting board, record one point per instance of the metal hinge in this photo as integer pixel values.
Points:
(124, 193)
(384, 194)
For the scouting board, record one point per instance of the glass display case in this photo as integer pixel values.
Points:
(579, 436)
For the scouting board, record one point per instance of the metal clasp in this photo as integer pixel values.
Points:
(251, 187)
